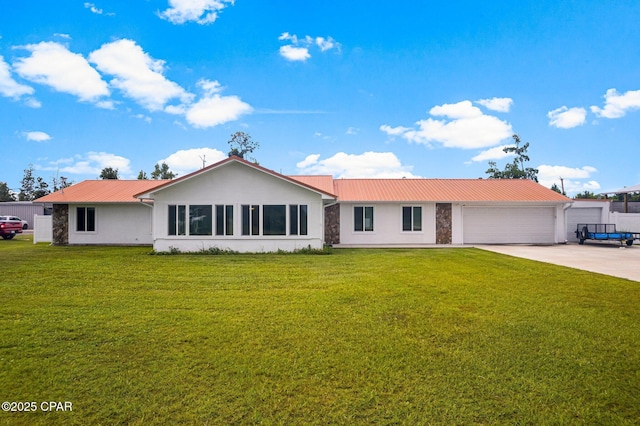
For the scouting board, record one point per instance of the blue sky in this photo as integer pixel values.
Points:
(352, 89)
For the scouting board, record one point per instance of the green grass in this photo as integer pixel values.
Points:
(439, 336)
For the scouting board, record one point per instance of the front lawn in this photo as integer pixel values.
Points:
(453, 336)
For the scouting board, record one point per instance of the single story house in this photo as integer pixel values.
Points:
(238, 205)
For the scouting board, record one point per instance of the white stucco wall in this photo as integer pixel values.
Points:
(387, 225)
(237, 184)
(123, 223)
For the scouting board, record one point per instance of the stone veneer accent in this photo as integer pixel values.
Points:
(60, 223)
(443, 223)
(332, 224)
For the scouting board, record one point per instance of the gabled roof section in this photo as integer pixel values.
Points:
(444, 190)
(148, 194)
(101, 191)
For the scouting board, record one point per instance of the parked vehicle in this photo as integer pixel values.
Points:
(9, 227)
(604, 231)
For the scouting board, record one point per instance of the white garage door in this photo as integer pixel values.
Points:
(509, 225)
(581, 215)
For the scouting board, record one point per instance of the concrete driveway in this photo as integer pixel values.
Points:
(602, 257)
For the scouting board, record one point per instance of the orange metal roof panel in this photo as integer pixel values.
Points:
(444, 190)
(102, 191)
(322, 182)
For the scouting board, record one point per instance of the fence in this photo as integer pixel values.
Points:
(42, 229)
(629, 222)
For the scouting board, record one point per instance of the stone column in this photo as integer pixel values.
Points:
(60, 223)
(443, 223)
(332, 224)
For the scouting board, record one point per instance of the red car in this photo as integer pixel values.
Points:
(9, 227)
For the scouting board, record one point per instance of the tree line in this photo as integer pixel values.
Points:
(33, 187)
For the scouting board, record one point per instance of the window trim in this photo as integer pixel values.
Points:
(273, 216)
(85, 219)
(250, 216)
(208, 224)
(412, 218)
(298, 219)
(360, 212)
(224, 220)
(179, 212)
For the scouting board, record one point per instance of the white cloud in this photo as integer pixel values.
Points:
(495, 153)
(213, 109)
(92, 7)
(617, 105)
(496, 104)
(310, 160)
(567, 118)
(326, 43)
(8, 86)
(394, 131)
(298, 50)
(54, 65)
(366, 165)
(465, 126)
(92, 163)
(575, 179)
(292, 53)
(352, 131)
(188, 160)
(137, 75)
(32, 103)
(199, 11)
(291, 37)
(37, 136)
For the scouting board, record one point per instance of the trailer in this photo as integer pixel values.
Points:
(604, 231)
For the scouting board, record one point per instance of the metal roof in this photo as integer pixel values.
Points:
(346, 190)
(445, 190)
(101, 191)
(627, 190)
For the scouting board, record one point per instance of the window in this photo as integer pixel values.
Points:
(274, 220)
(224, 220)
(86, 219)
(250, 219)
(200, 220)
(177, 220)
(298, 219)
(412, 218)
(363, 218)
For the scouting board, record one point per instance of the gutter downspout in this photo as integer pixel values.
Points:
(566, 207)
(153, 226)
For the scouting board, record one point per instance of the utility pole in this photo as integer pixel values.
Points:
(562, 184)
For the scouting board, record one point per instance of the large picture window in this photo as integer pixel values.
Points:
(363, 218)
(224, 220)
(250, 219)
(200, 220)
(412, 218)
(86, 219)
(177, 220)
(274, 220)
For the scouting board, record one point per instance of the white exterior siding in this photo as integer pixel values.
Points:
(513, 224)
(124, 223)
(585, 212)
(387, 225)
(236, 184)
